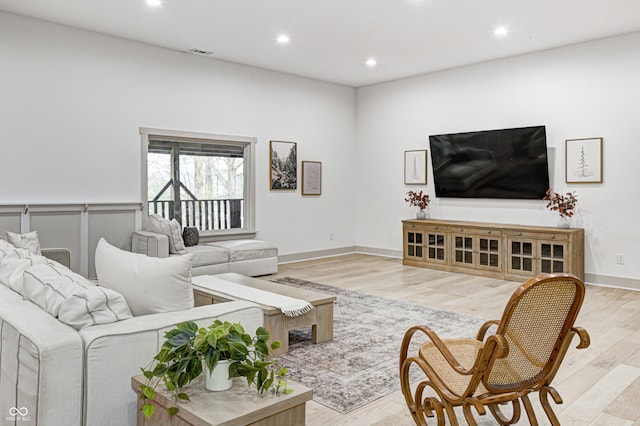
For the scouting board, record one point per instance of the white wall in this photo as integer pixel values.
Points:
(586, 90)
(72, 102)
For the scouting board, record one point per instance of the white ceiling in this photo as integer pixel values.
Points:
(332, 39)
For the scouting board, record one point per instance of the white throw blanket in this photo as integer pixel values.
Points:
(288, 305)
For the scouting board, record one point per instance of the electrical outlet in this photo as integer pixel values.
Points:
(620, 259)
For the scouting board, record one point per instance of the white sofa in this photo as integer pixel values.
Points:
(243, 256)
(51, 374)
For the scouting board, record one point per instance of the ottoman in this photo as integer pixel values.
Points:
(250, 257)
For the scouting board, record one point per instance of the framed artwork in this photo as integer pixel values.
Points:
(415, 167)
(583, 160)
(284, 165)
(311, 178)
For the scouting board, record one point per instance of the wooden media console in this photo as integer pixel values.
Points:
(511, 252)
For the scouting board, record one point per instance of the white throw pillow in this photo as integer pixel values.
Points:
(5, 247)
(149, 284)
(13, 264)
(176, 235)
(28, 241)
(71, 298)
(170, 228)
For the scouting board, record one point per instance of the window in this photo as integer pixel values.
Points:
(201, 180)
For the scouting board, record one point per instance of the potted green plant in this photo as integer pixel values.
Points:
(221, 344)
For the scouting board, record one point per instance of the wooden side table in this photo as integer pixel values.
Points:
(239, 406)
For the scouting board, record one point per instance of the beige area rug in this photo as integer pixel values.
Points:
(360, 365)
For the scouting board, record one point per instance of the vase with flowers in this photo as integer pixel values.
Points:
(420, 200)
(564, 204)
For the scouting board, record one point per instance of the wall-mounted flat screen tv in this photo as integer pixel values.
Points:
(507, 163)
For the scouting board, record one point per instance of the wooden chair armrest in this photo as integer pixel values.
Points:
(437, 342)
(485, 327)
(585, 340)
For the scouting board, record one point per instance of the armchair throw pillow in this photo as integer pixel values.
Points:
(170, 228)
(149, 284)
(190, 236)
(29, 241)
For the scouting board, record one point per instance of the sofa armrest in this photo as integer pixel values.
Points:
(42, 366)
(60, 255)
(116, 352)
(150, 243)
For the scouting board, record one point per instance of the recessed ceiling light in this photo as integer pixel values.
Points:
(500, 31)
(371, 62)
(154, 3)
(283, 39)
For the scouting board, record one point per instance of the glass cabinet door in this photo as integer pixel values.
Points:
(463, 248)
(521, 257)
(436, 247)
(415, 244)
(489, 253)
(552, 257)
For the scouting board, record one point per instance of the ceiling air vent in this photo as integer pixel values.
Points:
(200, 52)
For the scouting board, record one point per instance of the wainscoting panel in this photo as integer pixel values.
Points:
(114, 226)
(59, 230)
(77, 227)
(9, 221)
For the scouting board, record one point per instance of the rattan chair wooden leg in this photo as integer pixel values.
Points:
(421, 408)
(451, 415)
(466, 409)
(501, 418)
(545, 391)
(533, 421)
(431, 404)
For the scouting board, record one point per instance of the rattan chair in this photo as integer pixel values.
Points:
(522, 357)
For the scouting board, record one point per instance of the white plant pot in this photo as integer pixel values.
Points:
(218, 379)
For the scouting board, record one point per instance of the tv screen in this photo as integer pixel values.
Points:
(508, 163)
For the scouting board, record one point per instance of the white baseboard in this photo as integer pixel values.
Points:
(379, 252)
(319, 254)
(309, 255)
(610, 281)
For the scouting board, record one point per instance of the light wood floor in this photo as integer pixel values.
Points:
(600, 385)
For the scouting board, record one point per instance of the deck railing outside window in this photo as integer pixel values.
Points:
(206, 215)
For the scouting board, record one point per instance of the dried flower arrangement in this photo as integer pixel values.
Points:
(563, 204)
(418, 199)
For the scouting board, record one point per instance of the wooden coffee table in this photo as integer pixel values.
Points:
(238, 406)
(320, 319)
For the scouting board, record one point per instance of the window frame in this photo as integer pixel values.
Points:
(249, 192)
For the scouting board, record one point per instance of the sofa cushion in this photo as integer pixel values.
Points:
(71, 298)
(247, 249)
(29, 241)
(170, 228)
(13, 263)
(207, 255)
(149, 284)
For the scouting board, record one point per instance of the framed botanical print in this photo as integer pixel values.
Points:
(415, 167)
(284, 165)
(583, 160)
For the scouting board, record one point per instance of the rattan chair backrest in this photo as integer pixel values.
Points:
(535, 323)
